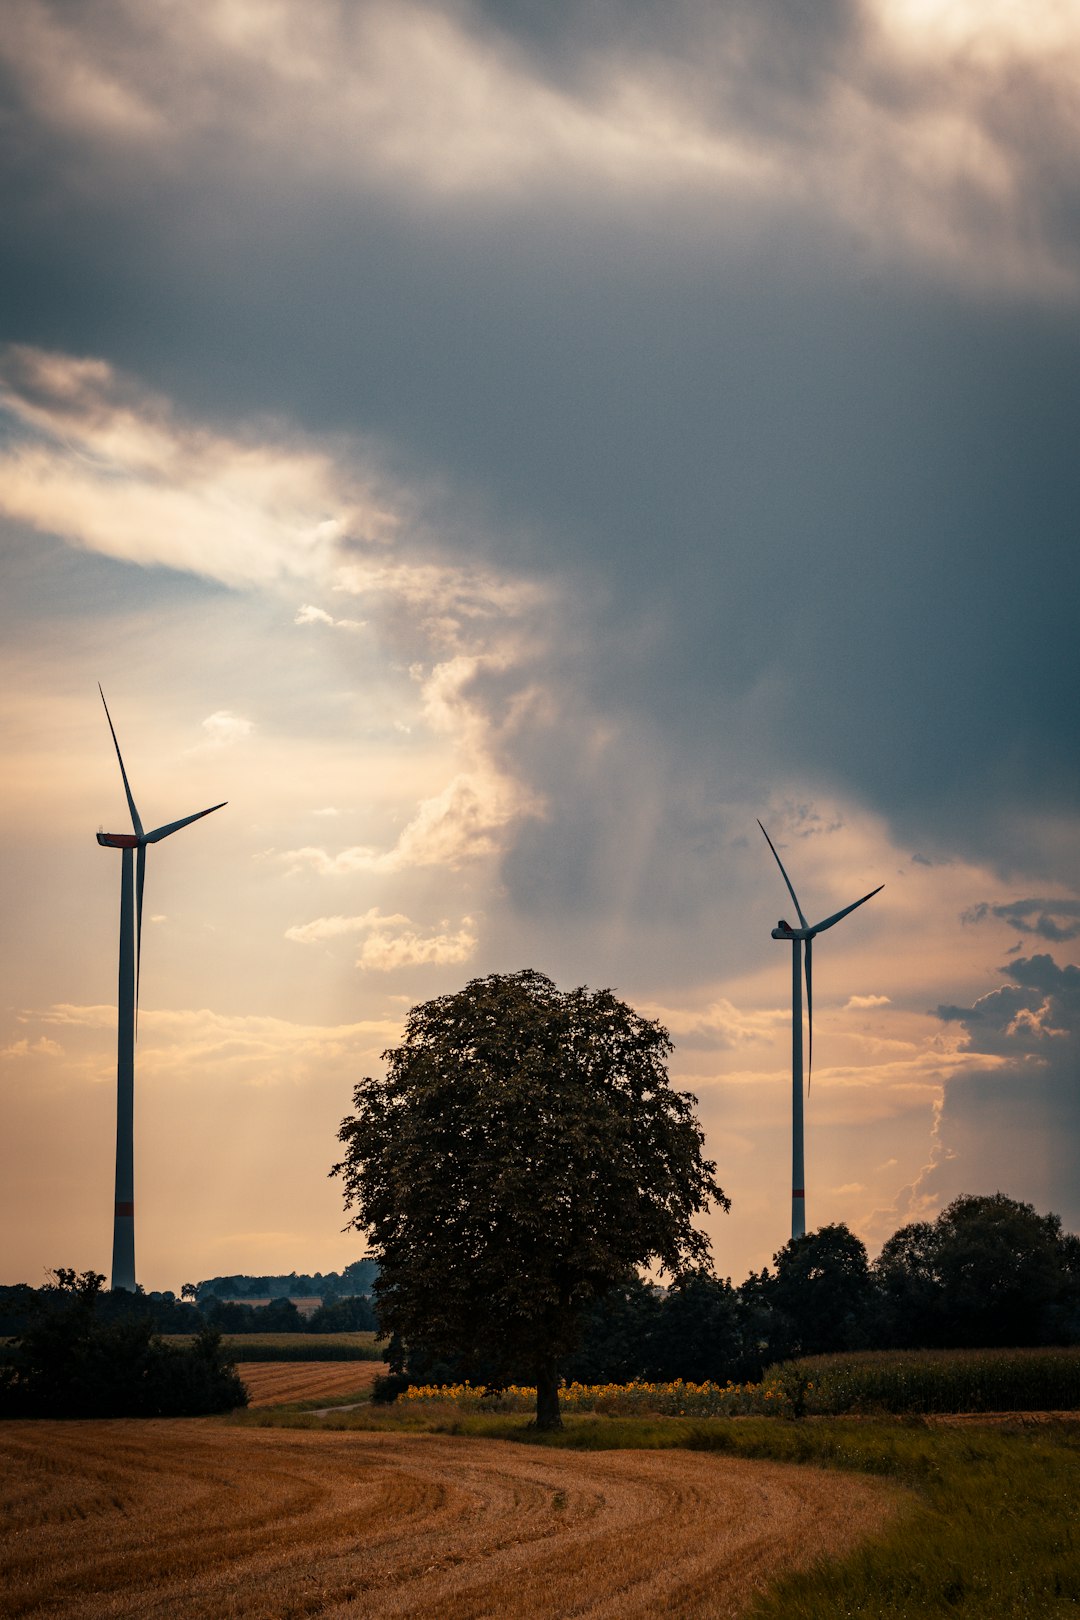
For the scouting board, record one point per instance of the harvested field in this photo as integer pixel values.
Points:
(269, 1383)
(198, 1519)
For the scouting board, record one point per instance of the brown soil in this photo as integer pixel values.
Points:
(194, 1518)
(269, 1383)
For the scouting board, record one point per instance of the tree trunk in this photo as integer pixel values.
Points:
(548, 1415)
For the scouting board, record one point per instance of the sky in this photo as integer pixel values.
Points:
(505, 451)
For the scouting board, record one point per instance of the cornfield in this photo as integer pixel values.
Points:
(905, 1381)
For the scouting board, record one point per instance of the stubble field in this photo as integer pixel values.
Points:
(201, 1519)
(270, 1383)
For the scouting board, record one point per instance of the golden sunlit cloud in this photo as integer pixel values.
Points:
(314, 615)
(42, 1047)
(223, 728)
(458, 825)
(391, 941)
(194, 1043)
(108, 466)
(112, 467)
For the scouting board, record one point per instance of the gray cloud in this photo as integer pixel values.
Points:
(1053, 920)
(811, 489)
(1014, 1126)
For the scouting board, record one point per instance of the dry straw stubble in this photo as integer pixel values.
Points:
(130, 1519)
(271, 1383)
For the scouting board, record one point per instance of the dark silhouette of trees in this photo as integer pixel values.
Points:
(353, 1314)
(524, 1153)
(616, 1336)
(988, 1271)
(701, 1332)
(355, 1279)
(820, 1294)
(76, 1360)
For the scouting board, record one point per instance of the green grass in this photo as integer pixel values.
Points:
(994, 1529)
(296, 1346)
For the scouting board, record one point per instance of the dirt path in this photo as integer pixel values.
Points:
(199, 1520)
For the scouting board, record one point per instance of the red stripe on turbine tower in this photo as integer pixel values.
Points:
(124, 1209)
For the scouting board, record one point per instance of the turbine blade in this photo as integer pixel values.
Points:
(140, 879)
(159, 833)
(802, 920)
(135, 822)
(820, 927)
(809, 1020)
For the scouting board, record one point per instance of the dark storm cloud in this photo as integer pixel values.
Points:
(812, 492)
(1035, 1013)
(1054, 920)
(1014, 1126)
(759, 59)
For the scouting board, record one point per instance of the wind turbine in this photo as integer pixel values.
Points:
(797, 936)
(132, 879)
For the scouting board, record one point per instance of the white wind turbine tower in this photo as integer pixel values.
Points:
(797, 936)
(132, 878)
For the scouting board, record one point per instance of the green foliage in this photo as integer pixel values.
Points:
(705, 1331)
(616, 1335)
(994, 1531)
(16, 1304)
(349, 1315)
(821, 1294)
(385, 1390)
(524, 1153)
(988, 1271)
(230, 1316)
(71, 1361)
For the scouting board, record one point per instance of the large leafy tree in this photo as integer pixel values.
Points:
(821, 1294)
(524, 1153)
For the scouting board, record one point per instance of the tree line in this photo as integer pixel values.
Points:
(988, 1271)
(339, 1313)
(328, 1286)
(74, 1358)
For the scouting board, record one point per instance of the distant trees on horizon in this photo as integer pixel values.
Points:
(221, 1303)
(356, 1279)
(989, 1271)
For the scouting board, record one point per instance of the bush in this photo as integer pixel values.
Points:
(386, 1389)
(70, 1363)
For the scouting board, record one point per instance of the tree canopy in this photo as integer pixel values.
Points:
(988, 1271)
(524, 1153)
